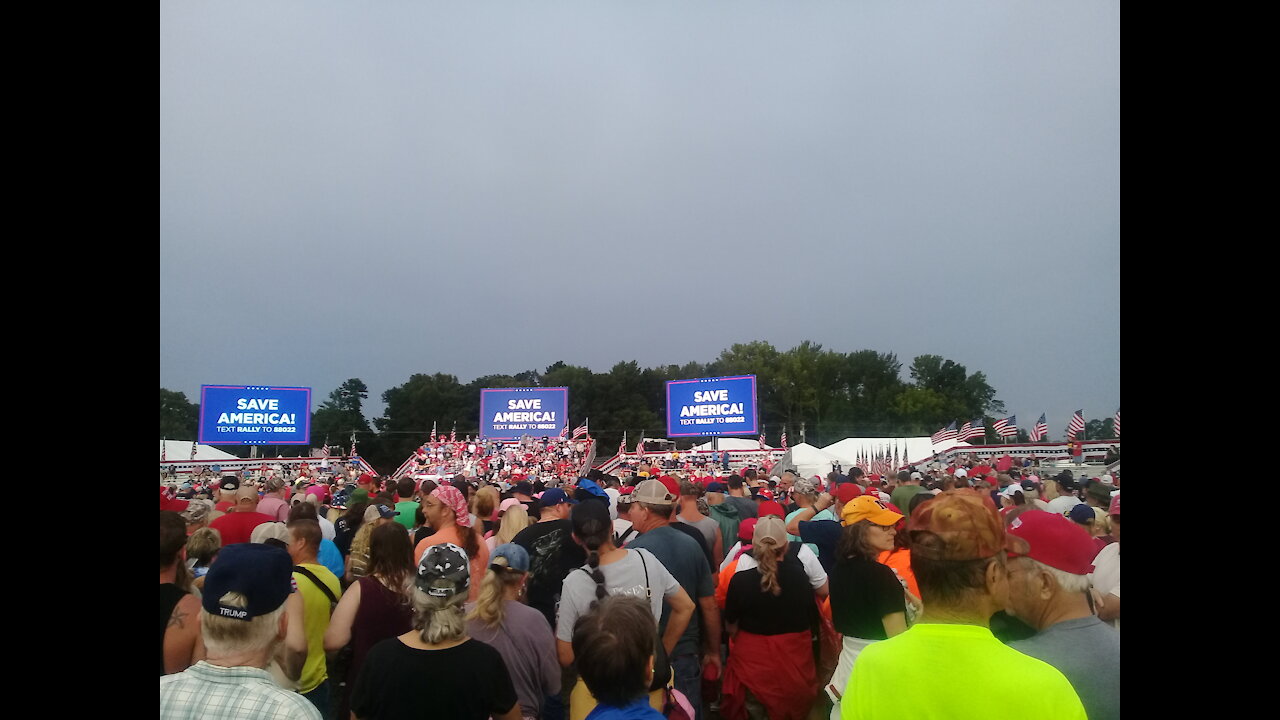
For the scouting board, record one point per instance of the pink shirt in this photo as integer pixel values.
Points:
(275, 508)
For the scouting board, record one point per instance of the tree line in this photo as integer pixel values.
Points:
(824, 394)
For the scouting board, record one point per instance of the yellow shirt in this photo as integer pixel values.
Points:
(316, 621)
(945, 671)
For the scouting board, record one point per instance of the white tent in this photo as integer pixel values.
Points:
(918, 449)
(733, 444)
(809, 461)
(180, 451)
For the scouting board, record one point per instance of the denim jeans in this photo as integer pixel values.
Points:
(321, 699)
(688, 680)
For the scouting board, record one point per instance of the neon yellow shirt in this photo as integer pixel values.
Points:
(316, 621)
(946, 671)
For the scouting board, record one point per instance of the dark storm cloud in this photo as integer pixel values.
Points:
(477, 188)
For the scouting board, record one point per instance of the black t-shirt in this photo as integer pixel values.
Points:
(862, 593)
(465, 681)
(343, 534)
(762, 613)
(552, 555)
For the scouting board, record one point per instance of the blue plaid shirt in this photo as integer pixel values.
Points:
(212, 692)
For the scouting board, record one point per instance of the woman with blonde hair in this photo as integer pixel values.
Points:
(469, 680)
(514, 518)
(484, 505)
(202, 547)
(770, 612)
(518, 632)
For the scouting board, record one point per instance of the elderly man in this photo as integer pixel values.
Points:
(1049, 588)
(226, 494)
(236, 527)
(958, 555)
(243, 620)
(273, 503)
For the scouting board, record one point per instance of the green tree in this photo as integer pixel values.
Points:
(1100, 429)
(179, 418)
(968, 395)
(414, 406)
(340, 415)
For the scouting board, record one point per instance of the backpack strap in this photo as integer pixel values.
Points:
(323, 588)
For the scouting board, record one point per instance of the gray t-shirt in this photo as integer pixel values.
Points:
(624, 577)
(1088, 653)
(706, 526)
(686, 561)
(524, 642)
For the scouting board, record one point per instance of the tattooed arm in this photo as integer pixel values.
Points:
(181, 634)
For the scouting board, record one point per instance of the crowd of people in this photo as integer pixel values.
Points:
(531, 591)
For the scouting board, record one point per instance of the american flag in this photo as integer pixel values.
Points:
(193, 450)
(946, 433)
(784, 438)
(1115, 426)
(564, 431)
(580, 431)
(433, 432)
(640, 448)
(973, 428)
(1041, 429)
(1076, 425)
(1007, 427)
(453, 433)
(622, 449)
(762, 434)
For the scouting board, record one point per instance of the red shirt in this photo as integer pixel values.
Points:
(236, 527)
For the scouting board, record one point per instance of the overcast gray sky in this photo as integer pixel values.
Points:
(379, 189)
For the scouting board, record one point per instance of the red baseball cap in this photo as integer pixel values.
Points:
(1055, 541)
(671, 484)
(847, 492)
(770, 507)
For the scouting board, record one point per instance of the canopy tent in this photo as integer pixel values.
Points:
(733, 444)
(809, 461)
(179, 450)
(917, 449)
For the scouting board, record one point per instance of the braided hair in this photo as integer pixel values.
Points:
(592, 526)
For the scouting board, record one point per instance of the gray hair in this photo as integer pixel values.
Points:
(1068, 582)
(224, 635)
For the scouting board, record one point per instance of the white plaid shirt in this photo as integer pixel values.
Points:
(212, 692)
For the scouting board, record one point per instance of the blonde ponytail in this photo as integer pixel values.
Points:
(766, 551)
(490, 603)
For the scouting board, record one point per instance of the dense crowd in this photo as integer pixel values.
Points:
(500, 582)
